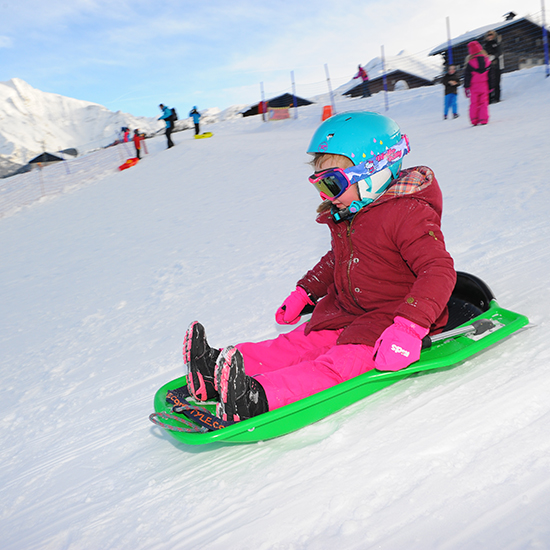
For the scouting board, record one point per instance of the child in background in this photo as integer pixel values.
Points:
(451, 81)
(476, 83)
(382, 286)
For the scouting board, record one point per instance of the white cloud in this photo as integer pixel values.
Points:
(5, 42)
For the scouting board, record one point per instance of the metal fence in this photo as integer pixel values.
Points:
(24, 189)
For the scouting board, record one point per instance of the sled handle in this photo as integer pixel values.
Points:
(477, 327)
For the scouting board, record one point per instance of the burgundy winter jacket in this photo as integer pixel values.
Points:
(389, 260)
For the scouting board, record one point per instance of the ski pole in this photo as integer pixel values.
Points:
(477, 327)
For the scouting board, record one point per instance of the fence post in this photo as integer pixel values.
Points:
(449, 47)
(330, 91)
(120, 153)
(294, 94)
(384, 80)
(41, 179)
(263, 100)
(545, 39)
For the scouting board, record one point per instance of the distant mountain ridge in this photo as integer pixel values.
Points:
(32, 122)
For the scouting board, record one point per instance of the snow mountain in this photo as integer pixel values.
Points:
(32, 122)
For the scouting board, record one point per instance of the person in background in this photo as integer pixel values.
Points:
(476, 83)
(196, 118)
(137, 143)
(451, 81)
(167, 116)
(362, 74)
(492, 47)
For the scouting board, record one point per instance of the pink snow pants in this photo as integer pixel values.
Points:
(294, 366)
(479, 106)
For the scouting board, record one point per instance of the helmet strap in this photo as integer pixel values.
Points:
(348, 212)
(340, 215)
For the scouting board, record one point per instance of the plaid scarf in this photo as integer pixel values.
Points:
(411, 180)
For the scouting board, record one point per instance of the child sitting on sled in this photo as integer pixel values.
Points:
(381, 288)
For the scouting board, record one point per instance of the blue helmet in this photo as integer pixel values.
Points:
(358, 135)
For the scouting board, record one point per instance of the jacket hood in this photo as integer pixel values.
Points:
(418, 182)
(474, 47)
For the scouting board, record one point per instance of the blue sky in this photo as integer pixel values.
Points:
(133, 55)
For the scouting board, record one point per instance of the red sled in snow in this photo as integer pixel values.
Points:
(129, 163)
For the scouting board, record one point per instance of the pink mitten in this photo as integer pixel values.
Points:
(289, 312)
(399, 345)
(467, 92)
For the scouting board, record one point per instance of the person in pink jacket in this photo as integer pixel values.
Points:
(363, 75)
(476, 83)
(382, 286)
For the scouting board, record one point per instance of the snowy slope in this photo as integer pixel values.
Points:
(99, 284)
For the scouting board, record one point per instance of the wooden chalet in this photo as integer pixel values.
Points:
(284, 100)
(521, 44)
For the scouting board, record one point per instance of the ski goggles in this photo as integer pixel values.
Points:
(333, 182)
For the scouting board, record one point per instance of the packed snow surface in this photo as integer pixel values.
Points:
(98, 284)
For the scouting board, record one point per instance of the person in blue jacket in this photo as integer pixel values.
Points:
(167, 116)
(196, 117)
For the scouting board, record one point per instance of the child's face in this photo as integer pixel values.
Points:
(339, 161)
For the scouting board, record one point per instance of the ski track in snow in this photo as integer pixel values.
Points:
(100, 282)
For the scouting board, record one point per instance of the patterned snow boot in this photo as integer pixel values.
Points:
(241, 396)
(200, 359)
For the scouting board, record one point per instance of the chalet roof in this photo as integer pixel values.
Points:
(481, 31)
(421, 67)
(283, 100)
(45, 157)
(287, 99)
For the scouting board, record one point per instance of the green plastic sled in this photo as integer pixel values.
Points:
(443, 354)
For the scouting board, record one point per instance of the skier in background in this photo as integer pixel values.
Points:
(376, 293)
(167, 116)
(362, 74)
(196, 118)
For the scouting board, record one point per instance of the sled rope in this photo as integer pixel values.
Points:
(188, 426)
(194, 419)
